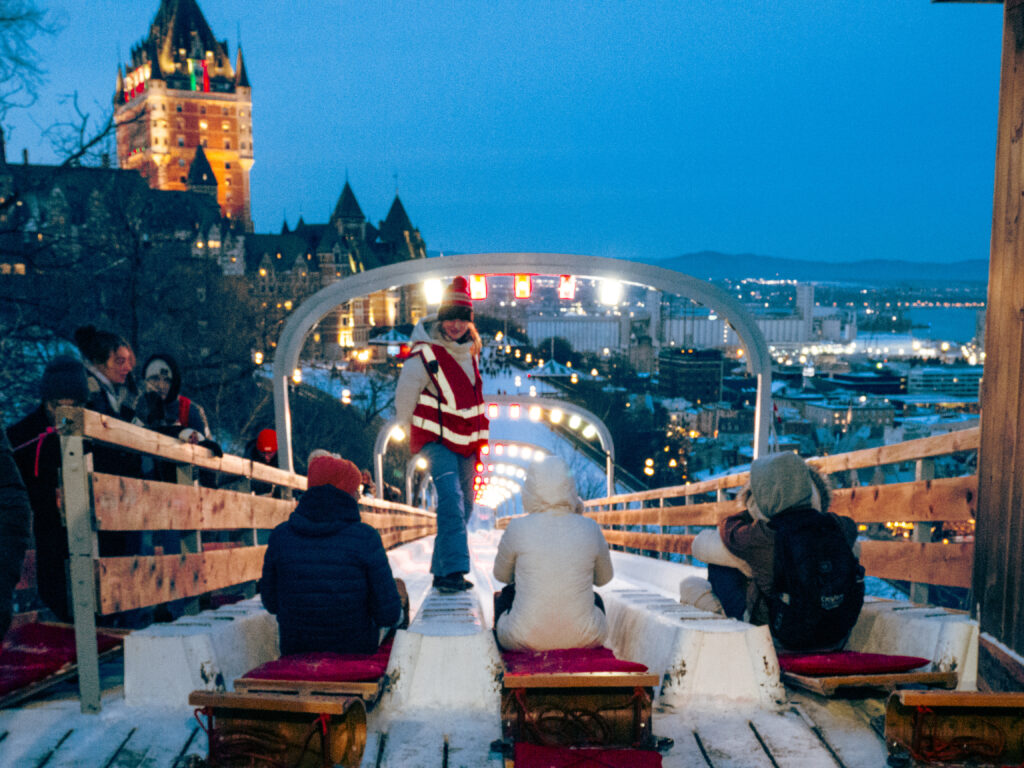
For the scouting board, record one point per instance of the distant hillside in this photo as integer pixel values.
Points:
(714, 265)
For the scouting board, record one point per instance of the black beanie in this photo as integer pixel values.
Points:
(64, 378)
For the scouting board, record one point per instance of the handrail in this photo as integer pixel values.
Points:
(660, 521)
(220, 531)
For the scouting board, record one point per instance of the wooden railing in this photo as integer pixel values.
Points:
(659, 521)
(220, 532)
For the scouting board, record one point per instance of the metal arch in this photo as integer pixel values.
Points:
(379, 446)
(303, 319)
(607, 444)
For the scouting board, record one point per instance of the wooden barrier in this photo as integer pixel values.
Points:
(647, 522)
(220, 532)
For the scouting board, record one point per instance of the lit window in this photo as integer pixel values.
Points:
(225, 126)
(203, 125)
(19, 269)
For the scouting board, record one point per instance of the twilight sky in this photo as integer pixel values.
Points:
(833, 130)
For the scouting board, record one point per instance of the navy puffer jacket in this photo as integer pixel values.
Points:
(327, 577)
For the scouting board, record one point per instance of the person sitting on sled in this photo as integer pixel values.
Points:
(551, 560)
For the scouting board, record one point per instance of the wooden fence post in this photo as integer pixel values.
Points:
(924, 469)
(83, 551)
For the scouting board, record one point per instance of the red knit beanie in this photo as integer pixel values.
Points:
(326, 469)
(266, 441)
(456, 304)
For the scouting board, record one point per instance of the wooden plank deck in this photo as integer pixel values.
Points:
(810, 731)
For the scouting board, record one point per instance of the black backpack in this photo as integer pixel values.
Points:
(818, 583)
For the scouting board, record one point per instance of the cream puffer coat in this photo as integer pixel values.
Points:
(555, 556)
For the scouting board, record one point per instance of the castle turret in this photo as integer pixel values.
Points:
(179, 92)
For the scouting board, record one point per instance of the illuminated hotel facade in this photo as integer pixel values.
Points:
(184, 113)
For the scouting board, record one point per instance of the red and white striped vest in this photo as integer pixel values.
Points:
(455, 416)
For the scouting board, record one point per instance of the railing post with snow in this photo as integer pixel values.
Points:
(82, 550)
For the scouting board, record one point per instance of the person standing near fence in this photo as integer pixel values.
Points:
(37, 452)
(439, 397)
(15, 525)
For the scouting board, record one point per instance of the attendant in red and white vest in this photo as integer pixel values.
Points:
(439, 398)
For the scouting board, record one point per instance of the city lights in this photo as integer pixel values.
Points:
(433, 291)
(610, 292)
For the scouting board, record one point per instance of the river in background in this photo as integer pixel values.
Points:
(953, 324)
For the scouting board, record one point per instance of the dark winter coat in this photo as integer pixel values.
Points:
(39, 463)
(327, 578)
(15, 522)
(119, 401)
(752, 540)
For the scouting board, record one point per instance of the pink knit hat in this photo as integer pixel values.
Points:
(327, 469)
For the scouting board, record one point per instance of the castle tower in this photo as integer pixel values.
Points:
(178, 93)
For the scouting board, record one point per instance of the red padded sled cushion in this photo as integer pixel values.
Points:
(536, 756)
(32, 652)
(326, 667)
(841, 663)
(566, 660)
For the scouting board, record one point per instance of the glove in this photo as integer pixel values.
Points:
(215, 449)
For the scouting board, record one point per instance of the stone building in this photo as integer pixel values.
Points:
(179, 102)
(287, 267)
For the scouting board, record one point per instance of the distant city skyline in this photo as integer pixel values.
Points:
(830, 132)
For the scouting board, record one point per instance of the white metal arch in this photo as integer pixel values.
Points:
(318, 305)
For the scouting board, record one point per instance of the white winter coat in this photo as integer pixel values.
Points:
(555, 556)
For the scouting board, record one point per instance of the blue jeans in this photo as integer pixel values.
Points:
(730, 587)
(453, 480)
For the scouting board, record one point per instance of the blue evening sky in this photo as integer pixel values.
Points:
(831, 130)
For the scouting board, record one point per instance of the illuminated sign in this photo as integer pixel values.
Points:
(523, 286)
(567, 287)
(477, 287)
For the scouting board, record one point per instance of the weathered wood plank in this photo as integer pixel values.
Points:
(582, 680)
(107, 429)
(911, 450)
(125, 583)
(679, 544)
(945, 564)
(131, 504)
(690, 514)
(953, 498)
